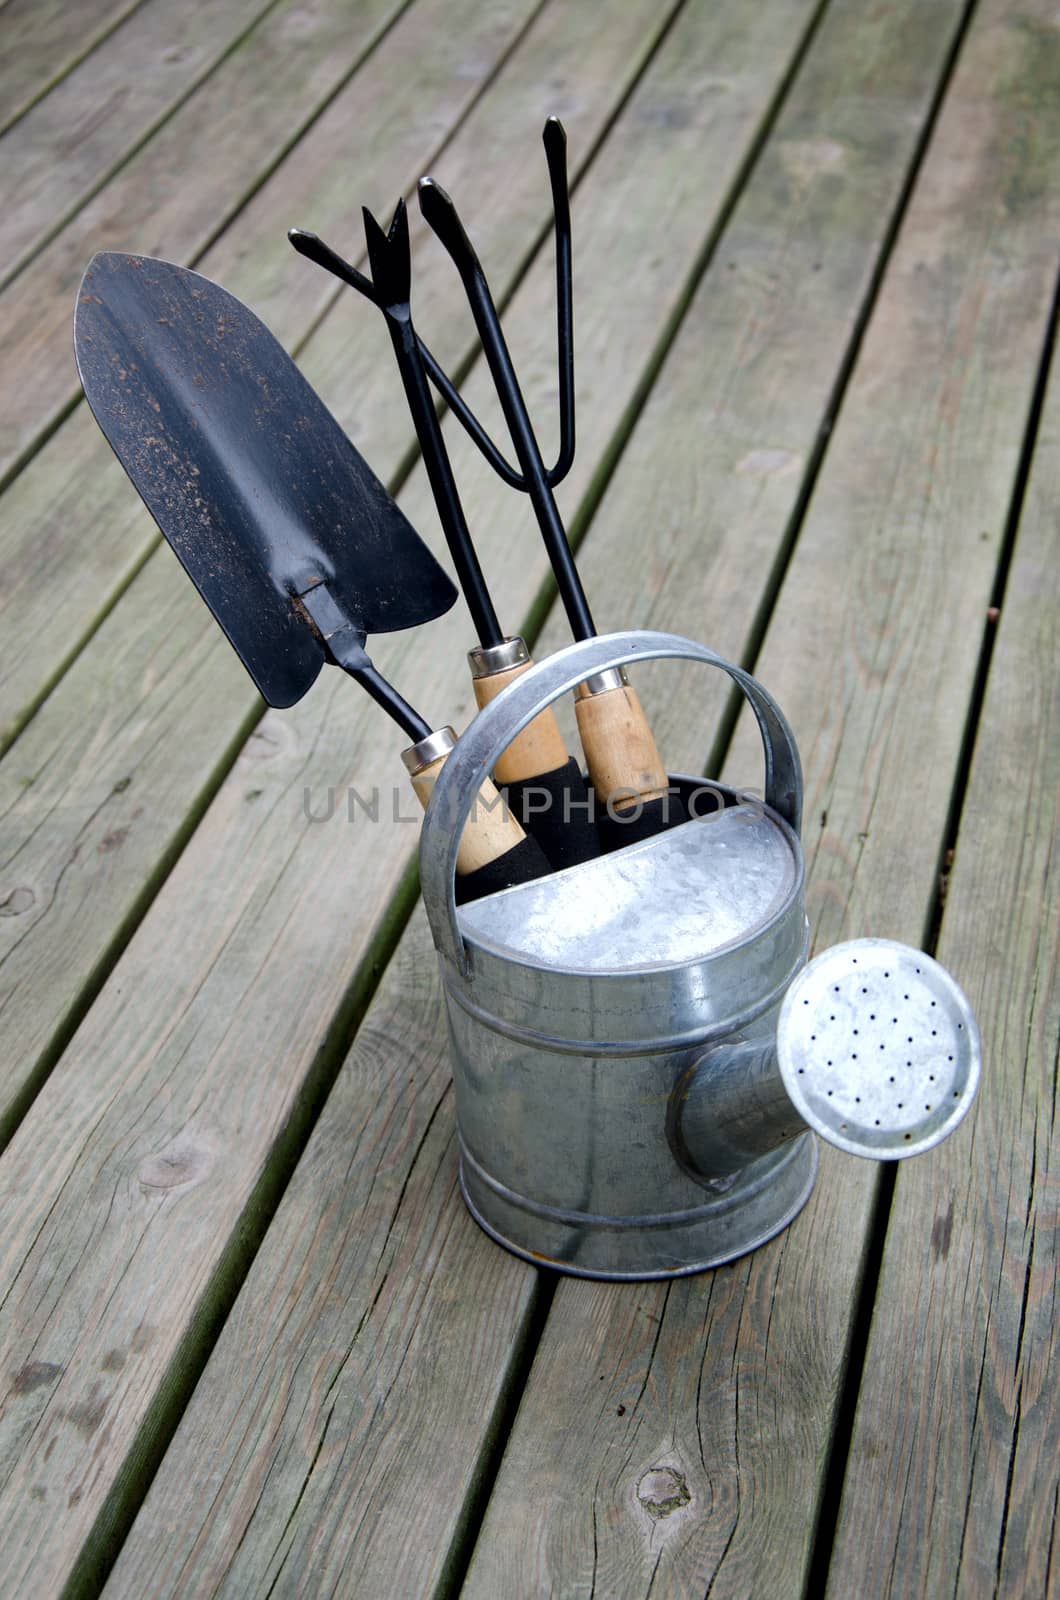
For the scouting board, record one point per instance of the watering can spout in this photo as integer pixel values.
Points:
(875, 1048)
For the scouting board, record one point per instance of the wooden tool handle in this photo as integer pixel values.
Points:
(539, 748)
(490, 831)
(625, 767)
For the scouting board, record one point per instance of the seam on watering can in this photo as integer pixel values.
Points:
(660, 1274)
(616, 1050)
(732, 1200)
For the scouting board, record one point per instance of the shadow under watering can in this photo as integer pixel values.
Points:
(641, 1053)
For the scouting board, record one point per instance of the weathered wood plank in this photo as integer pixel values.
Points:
(54, 583)
(953, 1474)
(677, 1437)
(244, 1068)
(73, 140)
(116, 709)
(43, 40)
(230, 135)
(95, 800)
(365, 1368)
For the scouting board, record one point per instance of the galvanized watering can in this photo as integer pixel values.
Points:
(641, 1053)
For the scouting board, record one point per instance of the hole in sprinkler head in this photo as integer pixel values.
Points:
(877, 1122)
(960, 1027)
(908, 1136)
(900, 1105)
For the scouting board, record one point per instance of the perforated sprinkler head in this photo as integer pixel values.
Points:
(878, 1049)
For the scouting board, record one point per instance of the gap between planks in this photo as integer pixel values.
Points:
(50, 29)
(70, 145)
(279, 58)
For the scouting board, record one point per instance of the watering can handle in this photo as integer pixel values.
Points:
(478, 750)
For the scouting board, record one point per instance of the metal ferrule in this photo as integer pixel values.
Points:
(601, 683)
(420, 755)
(487, 659)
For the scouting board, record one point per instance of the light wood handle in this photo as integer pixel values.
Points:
(539, 748)
(624, 762)
(490, 831)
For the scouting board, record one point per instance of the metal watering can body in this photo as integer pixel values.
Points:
(640, 1051)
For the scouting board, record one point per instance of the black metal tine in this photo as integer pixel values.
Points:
(441, 215)
(470, 423)
(390, 258)
(312, 246)
(314, 249)
(555, 141)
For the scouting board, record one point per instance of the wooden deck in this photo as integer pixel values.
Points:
(250, 1342)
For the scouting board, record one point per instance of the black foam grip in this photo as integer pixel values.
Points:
(556, 808)
(618, 828)
(521, 864)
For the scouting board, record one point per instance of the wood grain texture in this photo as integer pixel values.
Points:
(94, 800)
(539, 748)
(673, 1440)
(230, 134)
(104, 783)
(363, 1365)
(625, 767)
(43, 40)
(954, 1469)
(268, 1004)
(490, 832)
(72, 141)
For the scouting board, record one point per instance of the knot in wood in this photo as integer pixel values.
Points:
(662, 1491)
